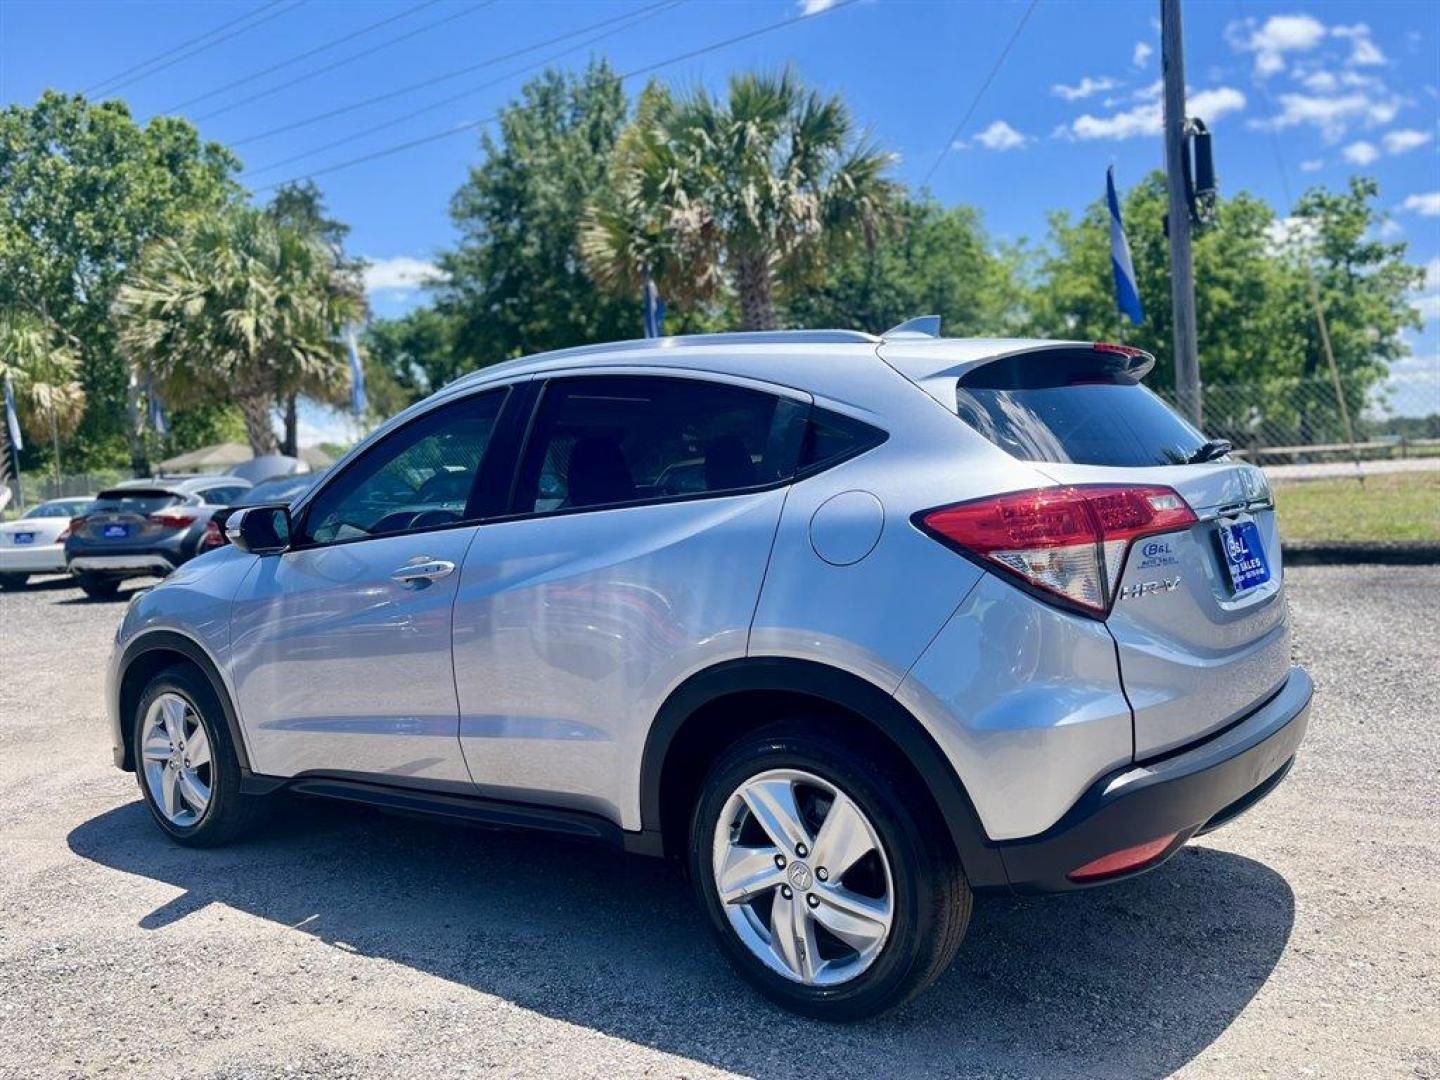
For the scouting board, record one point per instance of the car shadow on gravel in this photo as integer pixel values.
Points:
(1131, 980)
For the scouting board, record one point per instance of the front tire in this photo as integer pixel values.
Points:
(830, 885)
(186, 764)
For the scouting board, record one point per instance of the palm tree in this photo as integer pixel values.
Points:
(44, 374)
(758, 190)
(239, 307)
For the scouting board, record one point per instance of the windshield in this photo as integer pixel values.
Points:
(59, 508)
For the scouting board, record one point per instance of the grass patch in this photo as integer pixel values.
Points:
(1391, 506)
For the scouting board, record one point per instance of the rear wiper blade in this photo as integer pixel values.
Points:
(1209, 451)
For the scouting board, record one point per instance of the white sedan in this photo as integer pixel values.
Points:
(35, 544)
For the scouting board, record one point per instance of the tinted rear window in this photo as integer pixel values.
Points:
(1073, 406)
(135, 501)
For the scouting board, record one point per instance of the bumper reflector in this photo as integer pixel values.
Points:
(1124, 860)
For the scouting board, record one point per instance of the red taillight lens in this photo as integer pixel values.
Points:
(172, 519)
(214, 535)
(76, 524)
(1124, 860)
(1069, 541)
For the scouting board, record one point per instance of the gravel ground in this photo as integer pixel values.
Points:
(1303, 940)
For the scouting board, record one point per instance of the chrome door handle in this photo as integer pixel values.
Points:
(422, 570)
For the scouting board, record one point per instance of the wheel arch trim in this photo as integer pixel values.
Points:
(173, 641)
(846, 690)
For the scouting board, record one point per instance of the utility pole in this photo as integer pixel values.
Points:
(1182, 266)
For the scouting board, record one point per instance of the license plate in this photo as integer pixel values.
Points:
(1244, 555)
(115, 532)
(24, 538)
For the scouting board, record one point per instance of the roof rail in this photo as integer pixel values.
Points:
(927, 326)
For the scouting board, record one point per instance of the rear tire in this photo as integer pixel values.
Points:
(903, 905)
(10, 582)
(99, 588)
(177, 721)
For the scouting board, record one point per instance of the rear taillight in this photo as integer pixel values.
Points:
(171, 519)
(76, 524)
(214, 535)
(1069, 542)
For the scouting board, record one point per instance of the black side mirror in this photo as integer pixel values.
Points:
(260, 530)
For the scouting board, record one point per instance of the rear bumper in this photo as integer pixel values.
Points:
(37, 559)
(121, 565)
(1189, 792)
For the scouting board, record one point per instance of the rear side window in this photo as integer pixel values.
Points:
(621, 440)
(1073, 406)
(135, 501)
(831, 438)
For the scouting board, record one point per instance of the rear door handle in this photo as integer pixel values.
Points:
(422, 569)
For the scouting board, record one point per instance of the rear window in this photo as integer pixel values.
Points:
(135, 500)
(1074, 406)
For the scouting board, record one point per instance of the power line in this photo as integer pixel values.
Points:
(343, 61)
(471, 125)
(200, 48)
(975, 102)
(388, 95)
(634, 20)
(299, 56)
(176, 48)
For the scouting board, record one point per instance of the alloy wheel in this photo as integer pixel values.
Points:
(803, 877)
(175, 752)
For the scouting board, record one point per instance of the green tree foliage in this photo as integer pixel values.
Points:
(410, 357)
(82, 189)
(934, 261)
(43, 374)
(516, 283)
(756, 192)
(1256, 320)
(238, 308)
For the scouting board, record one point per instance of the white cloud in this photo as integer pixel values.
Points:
(814, 7)
(399, 274)
(1147, 118)
(1321, 82)
(1270, 41)
(1141, 56)
(1331, 115)
(1363, 51)
(1360, 153)
(1284, 232)
(1312, 165)
(1084, 88)
(1001, 136)
(1426, 204)
(1390, 229)
(1403, 140)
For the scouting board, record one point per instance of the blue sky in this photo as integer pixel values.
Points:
(1344, 86)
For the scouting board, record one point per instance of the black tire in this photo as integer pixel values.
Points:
(229, 814)
(10, 582)
(99, 588)
(931, 901)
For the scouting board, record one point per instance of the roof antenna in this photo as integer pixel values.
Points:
(926, 326)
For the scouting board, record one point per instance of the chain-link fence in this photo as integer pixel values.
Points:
(1285, 420)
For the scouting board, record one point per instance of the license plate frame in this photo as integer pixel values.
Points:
(1243, 551)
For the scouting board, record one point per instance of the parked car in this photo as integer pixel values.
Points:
(144, 528)
(35, 544)
(280, 489)
(947, 616)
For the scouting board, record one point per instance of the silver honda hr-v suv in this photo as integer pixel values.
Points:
(855, 627)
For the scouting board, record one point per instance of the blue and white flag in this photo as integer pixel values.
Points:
(1127, 291)
(12, 420)
(654, 310)
(159, 422)
(358, 401)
